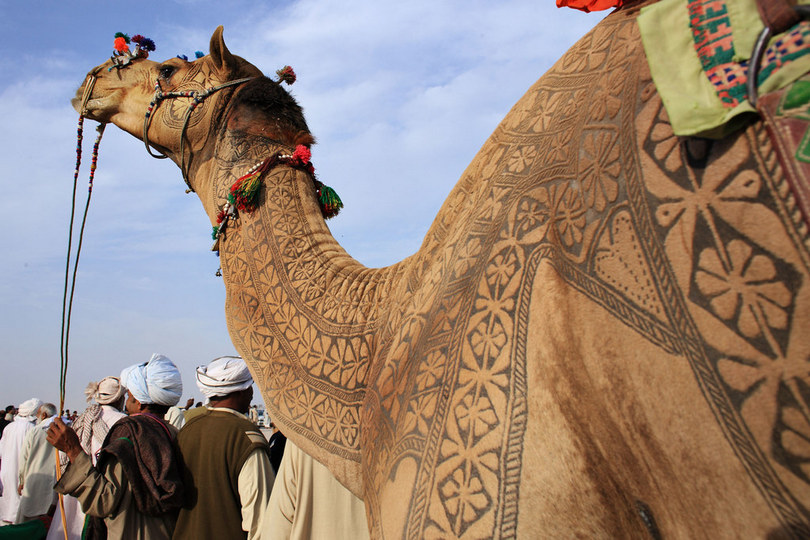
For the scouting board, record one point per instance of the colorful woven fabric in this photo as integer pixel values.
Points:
(699, 52)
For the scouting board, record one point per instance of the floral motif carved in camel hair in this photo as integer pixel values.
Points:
(605, 332)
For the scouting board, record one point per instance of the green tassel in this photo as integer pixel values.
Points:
(328, 200)
(244, 193)
(215, 232)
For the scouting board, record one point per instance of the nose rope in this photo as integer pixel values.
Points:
(196, 98)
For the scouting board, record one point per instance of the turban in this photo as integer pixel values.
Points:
(157, 381)
(28, 409)
(223, 376)
(106, 391)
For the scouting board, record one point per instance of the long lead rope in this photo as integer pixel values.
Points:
(70, 281)
(67, 297)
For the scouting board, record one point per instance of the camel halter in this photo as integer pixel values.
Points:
(196, 98)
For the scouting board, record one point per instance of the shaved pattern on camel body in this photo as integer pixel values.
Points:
(604, 333)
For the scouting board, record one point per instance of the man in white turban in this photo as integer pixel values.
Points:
(223, 434)
(91, 426)
(135, 488)
(10, 448)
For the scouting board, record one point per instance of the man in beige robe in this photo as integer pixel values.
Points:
(308, 502)
(92, 427)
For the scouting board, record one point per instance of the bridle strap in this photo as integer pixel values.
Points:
(88, 90)
(196, 98)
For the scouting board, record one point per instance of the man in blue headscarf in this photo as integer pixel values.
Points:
(135, 488)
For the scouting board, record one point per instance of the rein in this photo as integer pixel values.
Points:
(70, 284)
(196, 98)
(67, 305)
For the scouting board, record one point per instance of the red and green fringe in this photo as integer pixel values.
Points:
(328, 200)
(244, 193)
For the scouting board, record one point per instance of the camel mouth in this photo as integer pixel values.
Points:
(95, 108)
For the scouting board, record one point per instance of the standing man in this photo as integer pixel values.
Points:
(135, 488)
(37, 469)
(6, 418)
(227, 500)
(309, 502)
(92, 427)
(10, 448)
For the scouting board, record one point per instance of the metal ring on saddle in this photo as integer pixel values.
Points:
(759, 51)
(197, 98)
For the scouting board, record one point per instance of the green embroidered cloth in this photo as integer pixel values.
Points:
(698, 52)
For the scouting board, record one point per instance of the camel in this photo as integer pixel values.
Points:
(604, 333)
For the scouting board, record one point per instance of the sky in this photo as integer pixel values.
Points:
(400, 96)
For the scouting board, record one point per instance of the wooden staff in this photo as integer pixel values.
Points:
(61, 500)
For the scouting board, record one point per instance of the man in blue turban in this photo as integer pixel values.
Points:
(135, 488)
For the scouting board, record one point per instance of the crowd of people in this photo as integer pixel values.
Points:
(134, 465)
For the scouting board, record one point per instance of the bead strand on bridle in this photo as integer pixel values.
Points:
(79, 139)
(94, 158)
(196, 98)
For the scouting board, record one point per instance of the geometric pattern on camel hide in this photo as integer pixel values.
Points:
(714, 284)
(604, 333)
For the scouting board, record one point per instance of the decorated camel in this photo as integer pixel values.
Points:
(605, 333)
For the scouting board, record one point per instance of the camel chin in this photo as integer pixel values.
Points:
(98, 109)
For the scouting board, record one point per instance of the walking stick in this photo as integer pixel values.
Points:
(61, 499)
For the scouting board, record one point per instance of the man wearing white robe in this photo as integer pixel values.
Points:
(10, 448)
(37, 469)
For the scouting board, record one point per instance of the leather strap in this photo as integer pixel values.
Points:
(778, 15)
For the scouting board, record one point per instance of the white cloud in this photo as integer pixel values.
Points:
(400, 96)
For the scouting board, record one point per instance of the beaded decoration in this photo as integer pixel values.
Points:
(244, 193)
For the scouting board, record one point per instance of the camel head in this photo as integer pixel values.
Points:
(122, 92)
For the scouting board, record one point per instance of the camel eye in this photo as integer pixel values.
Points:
(167, 71)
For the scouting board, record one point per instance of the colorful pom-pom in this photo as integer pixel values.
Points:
(122, 35)
(199, 54)
(182, 57)
(144, 43)
(120, 45)
(590, 5)
(286, 75)
(301, 156)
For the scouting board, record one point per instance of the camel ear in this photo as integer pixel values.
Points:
(224, 62)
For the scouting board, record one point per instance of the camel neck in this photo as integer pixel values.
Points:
(305, 315)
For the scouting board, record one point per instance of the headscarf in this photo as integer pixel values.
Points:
(157, 381)
(223, 376)
(107, 391)
(28, 409)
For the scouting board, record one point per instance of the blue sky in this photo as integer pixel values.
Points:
(399, 95)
